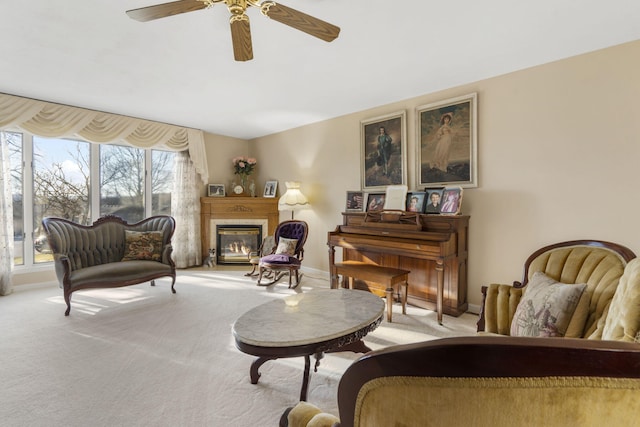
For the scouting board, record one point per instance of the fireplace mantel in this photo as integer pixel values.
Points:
(236, 208)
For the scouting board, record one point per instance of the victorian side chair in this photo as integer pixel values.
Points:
(290, 237)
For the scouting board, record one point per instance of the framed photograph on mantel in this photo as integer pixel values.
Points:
(215, 190)
(383, 147)
(270, 189)
(447, 145)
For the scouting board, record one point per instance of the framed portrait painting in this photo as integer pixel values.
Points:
(383, 146)
(447, 142)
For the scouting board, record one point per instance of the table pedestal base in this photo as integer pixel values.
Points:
(355, 347)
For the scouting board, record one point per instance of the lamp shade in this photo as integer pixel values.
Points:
(292, 199)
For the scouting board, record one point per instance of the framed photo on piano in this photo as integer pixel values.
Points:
(451, 201)
(415, 201)
(375, 202)
(355, 201)
(433, 200)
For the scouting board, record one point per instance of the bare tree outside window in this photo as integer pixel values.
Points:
(161, 181)
(122, 182)
(61, 186)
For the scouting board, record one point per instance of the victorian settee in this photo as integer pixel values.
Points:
(110, 252)
(590, 376)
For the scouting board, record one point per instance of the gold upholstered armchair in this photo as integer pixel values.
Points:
(567, 290)
(486, 381)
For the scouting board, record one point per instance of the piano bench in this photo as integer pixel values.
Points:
(387, 276)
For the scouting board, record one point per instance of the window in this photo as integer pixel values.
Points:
(61, 183)
(122, 182)
(161, 181)
(55, 177)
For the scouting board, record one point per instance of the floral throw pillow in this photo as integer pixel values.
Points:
(546, 308)
(286, 246)
(143, 245)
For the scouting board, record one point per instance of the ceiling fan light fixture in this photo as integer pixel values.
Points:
(236, 7)
(239, 21)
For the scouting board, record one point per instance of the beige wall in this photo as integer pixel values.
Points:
(220, 151)
(558, 152)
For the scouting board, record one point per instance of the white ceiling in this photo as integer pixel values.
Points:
(180, 69)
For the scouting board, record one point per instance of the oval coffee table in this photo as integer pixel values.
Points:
(308, 324)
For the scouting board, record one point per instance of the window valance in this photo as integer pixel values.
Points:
(54, 120)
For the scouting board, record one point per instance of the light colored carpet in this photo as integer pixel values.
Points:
(141, 356)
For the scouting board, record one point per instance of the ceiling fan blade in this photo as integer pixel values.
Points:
(300, 21)
(241, 37)
(150, 13)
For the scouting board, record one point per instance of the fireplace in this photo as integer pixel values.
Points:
(261, 212)
(234, 242)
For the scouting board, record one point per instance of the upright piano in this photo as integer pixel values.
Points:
(434, 248)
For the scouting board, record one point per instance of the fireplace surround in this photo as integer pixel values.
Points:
(250, 212)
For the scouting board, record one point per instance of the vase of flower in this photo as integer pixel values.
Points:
(243, 182)
(243, 167)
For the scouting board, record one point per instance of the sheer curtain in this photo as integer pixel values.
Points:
(185, 208)
(6, 220)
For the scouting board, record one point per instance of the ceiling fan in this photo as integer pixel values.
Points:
(240, 29)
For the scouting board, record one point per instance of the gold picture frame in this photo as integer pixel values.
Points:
(447, 145)
(383, 151)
